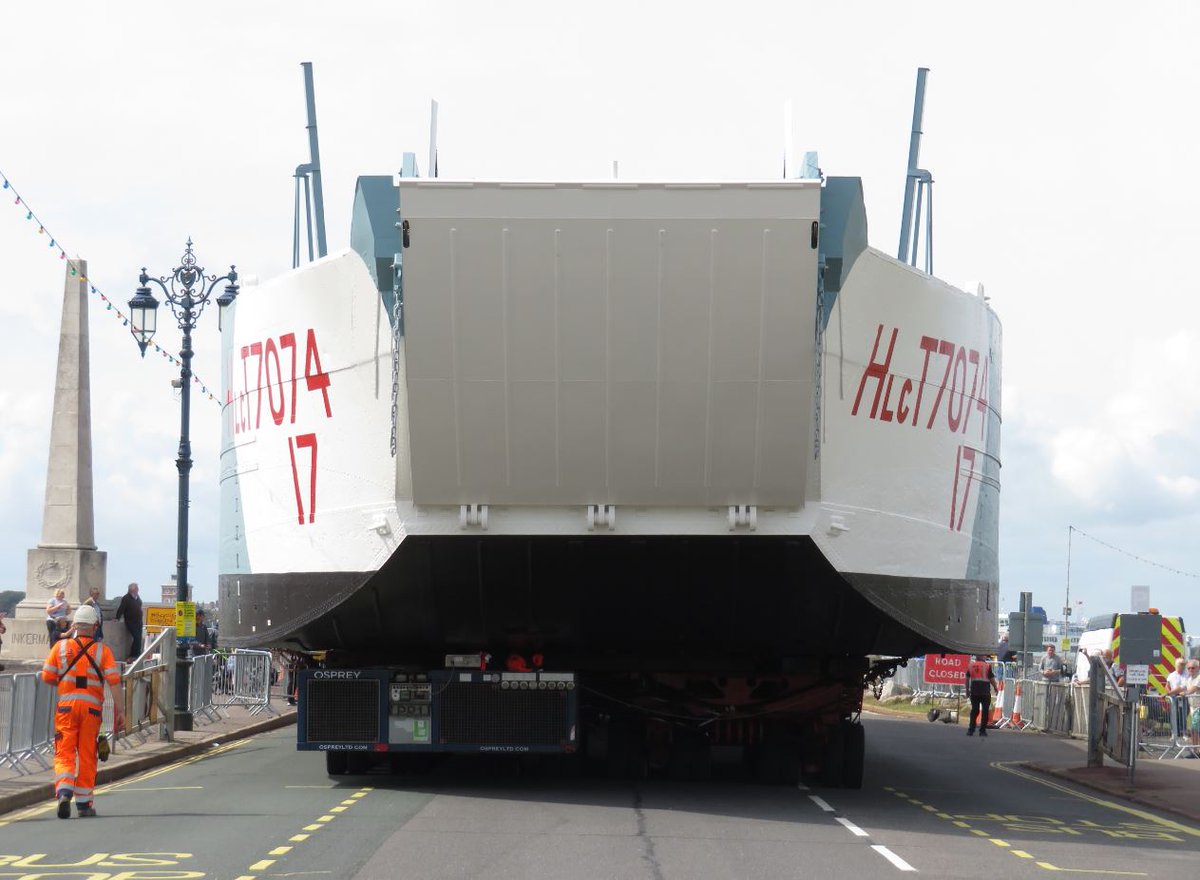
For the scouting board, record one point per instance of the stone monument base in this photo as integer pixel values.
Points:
(27, 638)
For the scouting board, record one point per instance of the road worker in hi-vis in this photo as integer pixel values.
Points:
(80, 666)
(981, 684)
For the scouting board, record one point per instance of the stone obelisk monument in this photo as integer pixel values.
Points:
(66, 558)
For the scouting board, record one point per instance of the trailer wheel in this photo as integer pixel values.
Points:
(854, 755)
(336, 763)
(834, 759)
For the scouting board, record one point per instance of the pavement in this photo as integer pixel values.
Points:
(130, 757)
(1170, 785)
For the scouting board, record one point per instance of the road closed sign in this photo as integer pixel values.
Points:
(946, 668)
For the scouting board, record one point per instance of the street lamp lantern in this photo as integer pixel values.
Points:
(143, 313)
(187, 291)
(225, 300)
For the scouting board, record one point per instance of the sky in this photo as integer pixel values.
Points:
(1061, 138)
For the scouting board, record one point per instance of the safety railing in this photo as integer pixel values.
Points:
(244, 679)
(148, 684)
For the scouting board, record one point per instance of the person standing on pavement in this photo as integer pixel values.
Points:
(203, 643)
(80, 667)
(981, 684)
(130, 611)
(93, 599)
(1178, 681)
(1051, 665)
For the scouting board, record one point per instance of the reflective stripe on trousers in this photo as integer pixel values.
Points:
(76, 726)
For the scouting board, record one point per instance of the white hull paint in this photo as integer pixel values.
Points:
(730, 398)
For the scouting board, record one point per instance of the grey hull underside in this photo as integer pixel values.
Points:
(650, 603)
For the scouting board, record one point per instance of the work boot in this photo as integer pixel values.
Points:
(86, 811)
(64, 806)
(970, 731)
(983, 731)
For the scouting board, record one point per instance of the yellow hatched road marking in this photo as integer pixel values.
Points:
(999, 842)
(280, 851)
(349, 803)
(1020, 854)
(338, 810)
(263, 865)
(1141, 814)
(326, 819)
(313, 827)
(245, 877)
(297, 838)
(979, 833)
(961, 824)
(944, 816)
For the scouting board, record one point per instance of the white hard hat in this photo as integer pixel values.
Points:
(86, 614)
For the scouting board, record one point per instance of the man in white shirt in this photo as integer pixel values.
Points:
(1178, 681)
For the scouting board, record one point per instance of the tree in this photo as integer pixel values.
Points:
(9, 600)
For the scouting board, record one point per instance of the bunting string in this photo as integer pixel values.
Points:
(1135, 556)
(19, 202)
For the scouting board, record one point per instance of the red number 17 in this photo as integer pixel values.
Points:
(304, 441)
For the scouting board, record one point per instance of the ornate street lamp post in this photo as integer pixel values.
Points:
(187, 290)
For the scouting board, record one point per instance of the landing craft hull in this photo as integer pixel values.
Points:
(631, 431)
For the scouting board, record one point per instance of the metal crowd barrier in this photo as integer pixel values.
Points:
(26, 722)
(201, 690)
(1164, 727)
(243, 680)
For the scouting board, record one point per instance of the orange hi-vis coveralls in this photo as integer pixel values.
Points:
(80, 705)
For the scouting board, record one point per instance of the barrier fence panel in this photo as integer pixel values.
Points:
(24, 718)
(1079, 711)
(45, 701)
(245, 681)
(1058, 708)
(1115, 726)
(1157, 733)
(200, 691)
(6, 711)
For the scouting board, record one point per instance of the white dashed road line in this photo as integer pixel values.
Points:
(821, 803)
(896, 861)
(851, 827)
(892, 857)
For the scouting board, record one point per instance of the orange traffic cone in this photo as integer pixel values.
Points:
(1016, 715)
(998, 706)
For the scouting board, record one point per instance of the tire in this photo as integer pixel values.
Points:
(833, 761)
(336, 763)
(854, 755)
